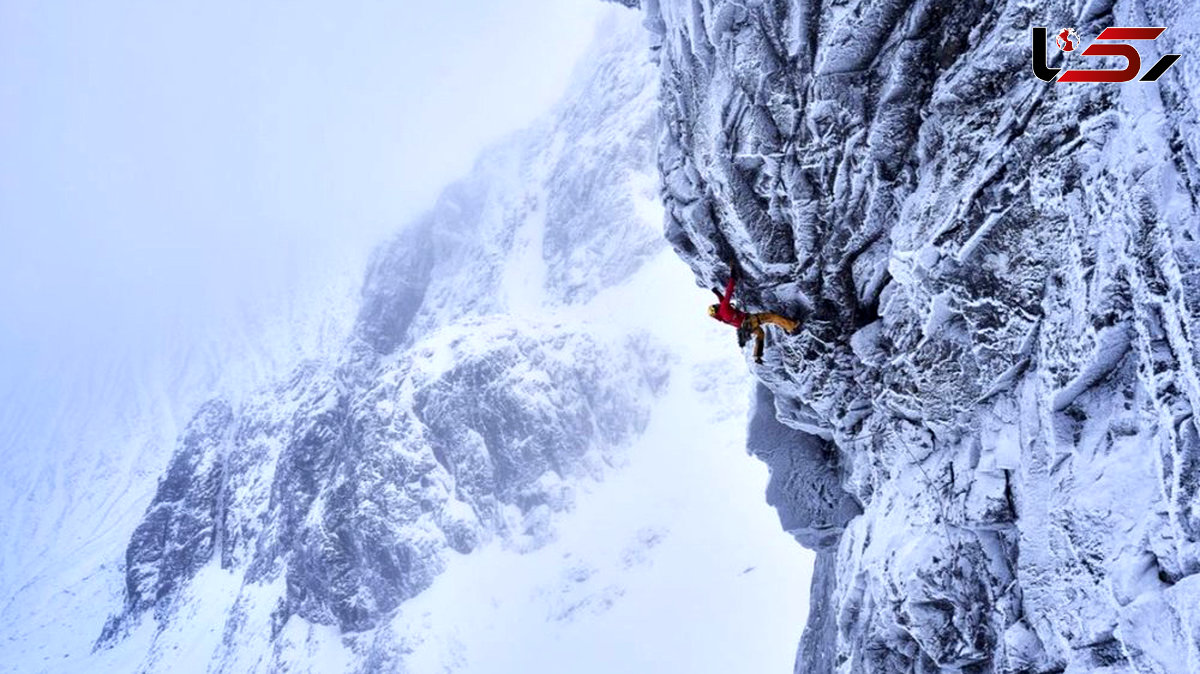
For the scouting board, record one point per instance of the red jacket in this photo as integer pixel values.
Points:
(725, 311)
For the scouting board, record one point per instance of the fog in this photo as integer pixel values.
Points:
(176, 178)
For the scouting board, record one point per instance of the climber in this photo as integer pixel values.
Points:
(747, 324)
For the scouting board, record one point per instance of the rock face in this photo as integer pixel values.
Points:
(471, 395)
(998, 283)
(179, 532)
(804, 487)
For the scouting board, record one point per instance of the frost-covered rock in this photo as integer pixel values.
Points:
(804, 487)
(179, 532)
(998, 282)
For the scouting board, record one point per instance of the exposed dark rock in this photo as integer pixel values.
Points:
(395, 286)
(179, 532)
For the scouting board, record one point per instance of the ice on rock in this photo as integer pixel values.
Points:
(997, 280)
(804, 486)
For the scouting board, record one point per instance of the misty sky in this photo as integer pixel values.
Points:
(170, 167)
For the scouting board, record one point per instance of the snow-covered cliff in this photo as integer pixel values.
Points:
(998, 283)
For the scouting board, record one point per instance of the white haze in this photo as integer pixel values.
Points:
(188, 193)
(175, 177)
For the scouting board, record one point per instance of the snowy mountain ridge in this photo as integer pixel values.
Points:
(526, 456)
(445, 422)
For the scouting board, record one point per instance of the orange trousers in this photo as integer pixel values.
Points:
(753, 325)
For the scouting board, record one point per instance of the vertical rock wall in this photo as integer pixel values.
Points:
(998, 279)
